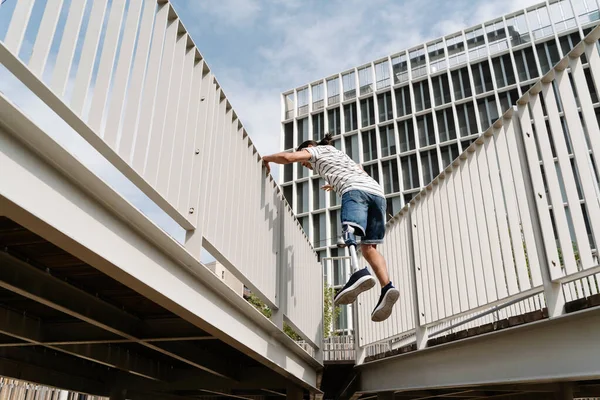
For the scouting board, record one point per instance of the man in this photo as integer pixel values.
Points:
(363, 214)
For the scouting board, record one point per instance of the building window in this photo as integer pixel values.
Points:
(548, 55)
(429, 164)
(319, 230)
(288, 193)
(373, 171)
(393, 207)
(526, 67)
(288, 133)
(403, 104)
(476, 44)
(461, 84)
(503, 70)
(303, 101)
(365, 79)
(449, 154)
(335, 226)
(384, 102)
(350, 119)
(289, 106)
(456, 50)
(467, 123)
(391, 182)
(351, 143)
(400, 68)
(539, 22)
(586, 10)
(349, 83)
(437, 56)
(482, 77)
(369, 142)
(562, 16)
(418, 63)
(517, 30)
(567, 42)
(302, 130)
(318, 121)
(408, 197)
(406, 134)
(441, 90)
(422, 98)
(302, 197)
(305, 225)
(382, 73)
(388, 140)
(333, 120)
(317, 96)
(508, 99)
(426, 131)
(410, 172)
(367, 112)
(496, 35)
(341, 319)
(445, 122)
(333, 91)
(488, 112)
(591, 86)
(318, 194)
(288, 172)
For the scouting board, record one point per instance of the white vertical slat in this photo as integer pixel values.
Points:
(18, 25)
(43, 41)
(587, 108)
(449, 241)
(514, 223)
(566, 171)
(501, 212)
(495, 271)
(243, 225)
(219, 182)
(107, 61)
(88, 57)
(454, 234)
(553, 187)
(580, 151)
(397, 320)
(459, 191)
(547, 231)
(66, 51)
(122, 72)
(142, 79)
(214, 183)
(439, 222)
(473, 235)
(401, 249)
(167, 105)
(420, 262)
(432, 278)
(487, 265)
(171, 149)
(157, 77)
(230, 193)
(182, 168)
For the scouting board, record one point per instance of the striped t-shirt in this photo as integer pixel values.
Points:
(341, 172)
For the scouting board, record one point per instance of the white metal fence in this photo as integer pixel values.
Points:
(515, 214)
(128, 78)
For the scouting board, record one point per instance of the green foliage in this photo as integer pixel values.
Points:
(329, 312)
(260, 305)
(290, 332)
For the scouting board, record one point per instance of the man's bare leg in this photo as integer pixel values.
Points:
(377, 262)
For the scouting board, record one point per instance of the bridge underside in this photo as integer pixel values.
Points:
(44, 337)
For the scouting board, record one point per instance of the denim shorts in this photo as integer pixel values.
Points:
(365, 212)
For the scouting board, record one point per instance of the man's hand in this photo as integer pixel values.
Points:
(327, 188)
(267, 166)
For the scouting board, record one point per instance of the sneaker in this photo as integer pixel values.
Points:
(383, 309)
(359, 282)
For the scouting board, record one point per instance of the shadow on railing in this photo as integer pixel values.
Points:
(495, 235)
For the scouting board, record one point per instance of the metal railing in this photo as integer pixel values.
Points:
(335, 99)
(146, 100)
(516, 214)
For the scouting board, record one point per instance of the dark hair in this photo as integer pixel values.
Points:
(326, 141)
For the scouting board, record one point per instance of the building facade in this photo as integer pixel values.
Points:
(405, 117)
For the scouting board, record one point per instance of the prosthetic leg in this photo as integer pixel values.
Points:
(361, 279)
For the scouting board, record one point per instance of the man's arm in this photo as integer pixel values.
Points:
(286, 157)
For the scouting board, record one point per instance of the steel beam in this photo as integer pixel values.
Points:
(561, 349)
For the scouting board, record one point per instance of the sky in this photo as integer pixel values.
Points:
(260, 48)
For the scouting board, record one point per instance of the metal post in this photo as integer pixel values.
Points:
(421, 332)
